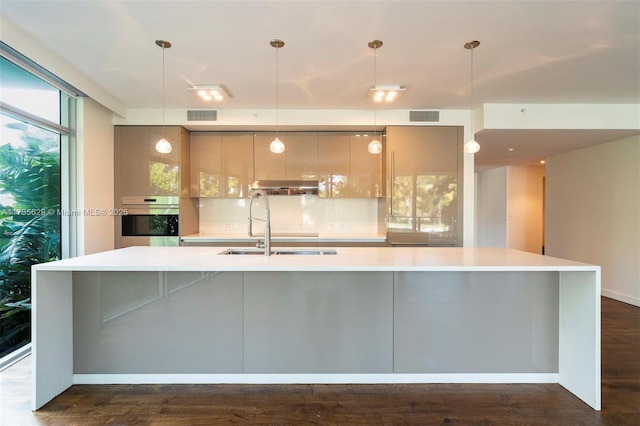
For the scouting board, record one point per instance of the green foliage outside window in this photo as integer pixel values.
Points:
(29, 227)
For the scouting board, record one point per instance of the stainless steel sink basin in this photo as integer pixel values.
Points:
(243, 251)
(319, 252)
(307, 252)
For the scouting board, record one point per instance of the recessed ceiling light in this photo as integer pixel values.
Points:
(511, 149)
(211, 92)
(380, 94)
(542, 162)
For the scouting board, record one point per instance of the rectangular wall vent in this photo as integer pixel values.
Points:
(202, 115)
(431, 116)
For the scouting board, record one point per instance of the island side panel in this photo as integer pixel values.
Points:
(580, 359)
(318, 322)
(476, 322)
(157, 323)
(52, 337)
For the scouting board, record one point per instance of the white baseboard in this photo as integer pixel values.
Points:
(621, 297)
(86, 379)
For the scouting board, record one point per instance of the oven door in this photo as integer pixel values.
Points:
(149, 221)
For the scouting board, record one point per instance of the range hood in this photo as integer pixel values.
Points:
(287, 187)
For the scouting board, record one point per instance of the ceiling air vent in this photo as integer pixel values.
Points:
(202, 115)
(431, 116)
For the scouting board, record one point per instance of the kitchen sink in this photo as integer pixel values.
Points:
(320, 252)
(307, 252)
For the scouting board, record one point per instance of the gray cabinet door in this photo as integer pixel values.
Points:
(476, 322)
(315, 322)
(157, 322)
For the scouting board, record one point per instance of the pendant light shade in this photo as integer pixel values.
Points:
(471, 146)
(277, 146)
(375, 146)
(163, 146)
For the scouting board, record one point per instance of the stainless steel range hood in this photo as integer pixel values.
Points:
(287, 187)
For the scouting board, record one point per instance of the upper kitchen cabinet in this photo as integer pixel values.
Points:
(366, 168)
(424, 185)
(346, 168)
(334, 163)
(140, 170)
(221, 164)
(299, 161)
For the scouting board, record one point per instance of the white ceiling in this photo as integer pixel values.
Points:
(531, 52)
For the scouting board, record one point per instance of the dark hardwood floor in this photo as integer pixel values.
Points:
(424, 404)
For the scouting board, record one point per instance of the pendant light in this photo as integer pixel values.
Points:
(277, 146)
(375, 146)
(163, 146)
(471, 147)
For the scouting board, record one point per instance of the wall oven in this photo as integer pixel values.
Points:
(149, 221)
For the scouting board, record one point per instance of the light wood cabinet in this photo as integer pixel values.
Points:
(224, 164)
(347, 169)
(334, 162)
(221, 164)
(366, 169)
(423, 185)
(140, 170)
(299, 161)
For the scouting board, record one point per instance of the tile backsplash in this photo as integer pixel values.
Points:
(291, 214)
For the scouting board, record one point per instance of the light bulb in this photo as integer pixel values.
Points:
(163, 146)
(374, 147)
(276, 146)
(471, 147)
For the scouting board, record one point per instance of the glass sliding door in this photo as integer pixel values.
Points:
(31, 135)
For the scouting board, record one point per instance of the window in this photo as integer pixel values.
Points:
(33, 115)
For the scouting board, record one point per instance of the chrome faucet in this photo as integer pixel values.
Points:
(267, 221)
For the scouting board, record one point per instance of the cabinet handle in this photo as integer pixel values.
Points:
(393, 177)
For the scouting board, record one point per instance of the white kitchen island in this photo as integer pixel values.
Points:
(363, 315)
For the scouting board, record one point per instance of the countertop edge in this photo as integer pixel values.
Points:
(351, 259)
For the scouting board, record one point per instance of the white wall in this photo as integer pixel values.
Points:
(525, 214)
(492, 208)
(510, 203)
(94, 188)
(593, 212)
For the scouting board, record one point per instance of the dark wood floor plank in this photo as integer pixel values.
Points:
(401, 404)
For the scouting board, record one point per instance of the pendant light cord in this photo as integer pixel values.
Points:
(472, 97)
(277, 92)
(375, 80)
(163, 103)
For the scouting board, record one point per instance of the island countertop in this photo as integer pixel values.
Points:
(346, 259)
